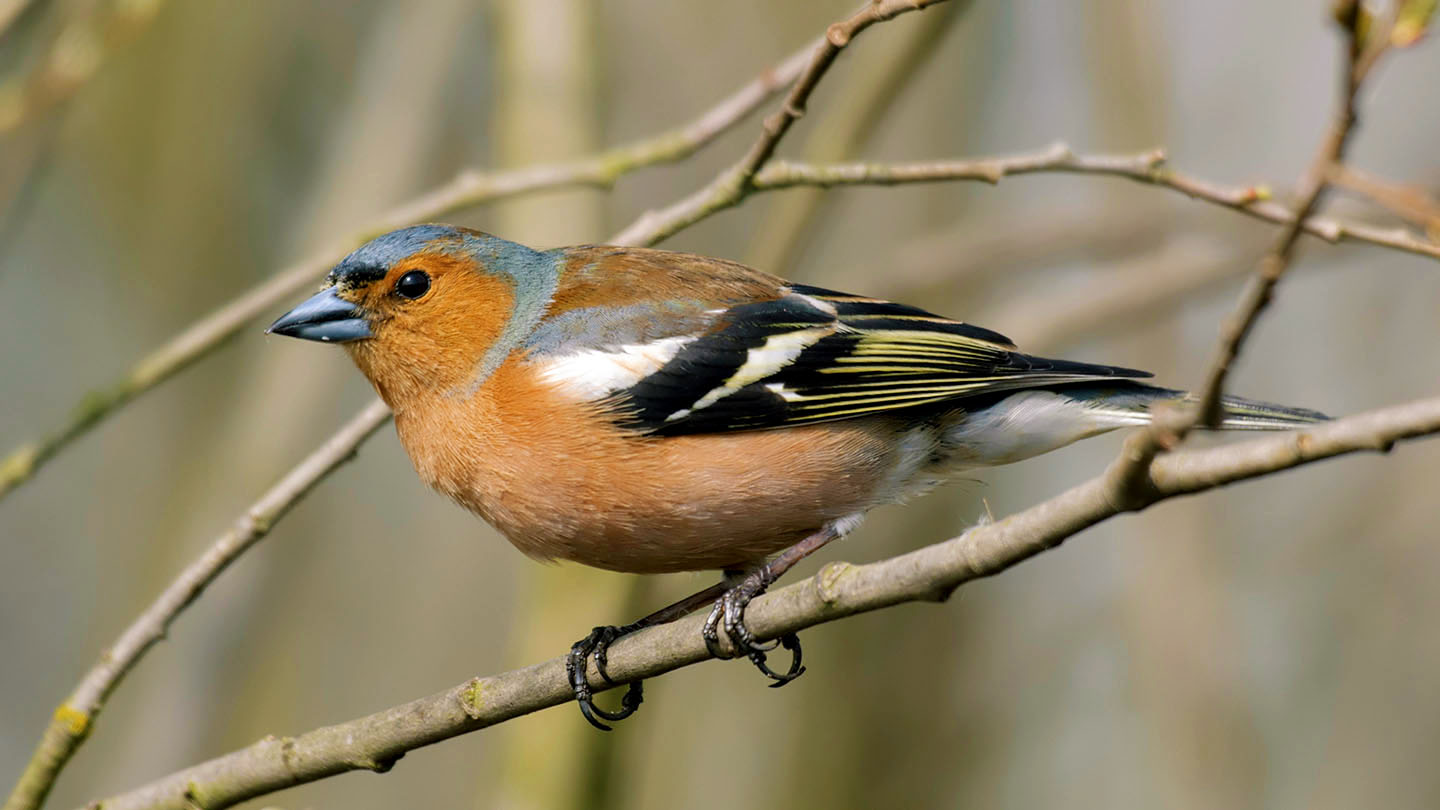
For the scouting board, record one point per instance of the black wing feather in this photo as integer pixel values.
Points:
(840, 356)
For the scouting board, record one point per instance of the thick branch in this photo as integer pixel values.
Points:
(468, 189)
(375, 742)
(71, 722)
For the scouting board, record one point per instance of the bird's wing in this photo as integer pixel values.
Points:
(808, 355)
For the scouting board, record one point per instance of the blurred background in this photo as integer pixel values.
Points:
(1267, 645)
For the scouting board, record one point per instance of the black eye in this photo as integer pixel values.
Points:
(413, 284)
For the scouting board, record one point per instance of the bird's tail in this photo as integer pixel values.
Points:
(1129, 404)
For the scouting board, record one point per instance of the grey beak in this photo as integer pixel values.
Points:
(325, 317)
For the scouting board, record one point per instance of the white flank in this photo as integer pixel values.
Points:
(844, 525)
(594, 373)
(912, 451)
(777, 352)
(1027, 424)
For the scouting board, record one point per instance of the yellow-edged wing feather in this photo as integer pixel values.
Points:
(814, 355)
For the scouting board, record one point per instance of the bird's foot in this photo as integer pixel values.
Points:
(729, 611)
(597, 645)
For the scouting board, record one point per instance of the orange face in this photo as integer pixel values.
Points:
(429, 324)
(433, 319)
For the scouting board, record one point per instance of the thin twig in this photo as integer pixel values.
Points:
(468, 189)
(1409, 202)
(857, 109)
(375, 742)
(74, 718)
(735, 183)
(1171, 426)
(1310, 191)
(1147, 167)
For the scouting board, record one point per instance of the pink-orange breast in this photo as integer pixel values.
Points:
(560, 481)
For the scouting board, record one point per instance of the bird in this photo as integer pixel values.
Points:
(650, 411)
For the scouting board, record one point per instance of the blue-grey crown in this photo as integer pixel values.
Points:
(372, 260)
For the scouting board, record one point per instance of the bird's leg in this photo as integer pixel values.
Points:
(597, 644)
(729, 609)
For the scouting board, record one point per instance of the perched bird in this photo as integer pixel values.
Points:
(648, 411)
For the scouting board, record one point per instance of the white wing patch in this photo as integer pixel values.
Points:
(594, 373)
(777, 352)
(822, 305)
(779, 390)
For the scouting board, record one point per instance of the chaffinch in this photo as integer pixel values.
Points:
(648, 411)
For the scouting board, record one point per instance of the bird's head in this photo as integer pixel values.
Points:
(429, 309)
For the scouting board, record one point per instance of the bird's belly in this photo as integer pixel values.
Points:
(672, 535)
(561, 490)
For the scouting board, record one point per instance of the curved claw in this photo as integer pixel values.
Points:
(629, 704)
(596, 644)
(730, 610)
(791, 642)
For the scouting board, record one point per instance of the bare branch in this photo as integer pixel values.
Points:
(857, 108)
(1310, 191)
(737, 182)
(1410, 202)
(72, 721)
(1171, 426)
(375, 742)
(468, 189)
(1145, 167)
